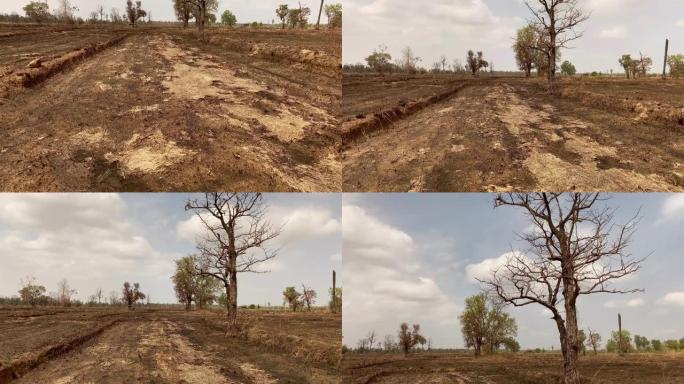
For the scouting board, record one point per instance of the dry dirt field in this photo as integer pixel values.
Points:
(523, 368)
(154, 109)
(502, 134)
(116, 346)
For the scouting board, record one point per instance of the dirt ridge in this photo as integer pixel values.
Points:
(26, 363)
(25, 78)
(352, 130)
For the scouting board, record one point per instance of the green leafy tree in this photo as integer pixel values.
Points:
(334, 14)
(228, 18)
(581, 340)
(37, 11)
(676, 64)
(657, 345)
(282, 13)
(623, 343)
(642, 343)
(292, 298)
(485, 325)
(525, 54)
(568, 69)
(336, 305)
(298, 17)
(627, 64)
(184, 281)
(379, 60)
(30, 292)
(672, 345)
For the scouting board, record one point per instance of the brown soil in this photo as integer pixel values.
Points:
(173, 346)
(521, 368)
(510, 135)
(160, 112)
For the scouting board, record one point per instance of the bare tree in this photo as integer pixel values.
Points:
(575, 250)
(236, 228)
(134, 12)
(308, 296)
(389, 344)
(557, 21)
(98, 295)
(475, 63)
(409, 338)
(594, 341)
(132, 295)
(100, 11)
(64, 293)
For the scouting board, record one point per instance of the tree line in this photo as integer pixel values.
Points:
(65, 12)
(34, 294)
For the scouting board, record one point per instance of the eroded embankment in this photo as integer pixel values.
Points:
(28, 361)
(647, 111)
(317, 61)
(363, 125)
(28, 77)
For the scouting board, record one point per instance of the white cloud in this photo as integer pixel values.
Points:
(673, 299)
(632, 303)
(486, 267)
(673, 206)
(680, 23)
(614, 33)
(384, 278)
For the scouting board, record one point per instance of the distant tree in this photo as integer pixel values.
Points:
(101, 12)
(200, 11)
(457, 66)
(627, 63)
(379, 60)
(568, 69)
(211, 18)
(581, 340)
(657, 345)
(64, 293)
(484, 325)
(292, 298)
(65, 11)
(184, 281)
(298, 17)
(113, 298)
(132, 295)
(623, 343)
(30, 292)
(643, 65)
(676, 64)
(409, 338)
(557, 21)
(681, 344)
(408, 61)
(37, 11)
(98, 295)
(308, 296)
(443, 63)
(370, 337)
(228, 18)
(642, 343)
(672, 345)
(205, 290)
(334, 14)
(183, 11)
(389, 344)
(474, 63)
(236, 226)
(115, 16)
(335, 306)
(525, 53)
(282, 13)
(134, 12)
(594, 341)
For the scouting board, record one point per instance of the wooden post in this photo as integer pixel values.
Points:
(620, 350)
(667, 46)
(334, 293)
(320, 10)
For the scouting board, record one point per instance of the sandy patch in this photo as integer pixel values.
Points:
(149, 154)
(257, 375)
(89, 136)
(102, 86)
(146, 108)
(286, 126)
(190, 82)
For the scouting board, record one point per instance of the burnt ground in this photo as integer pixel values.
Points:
(162, 112)
(173, 346)
(509, 134)
(521, 368)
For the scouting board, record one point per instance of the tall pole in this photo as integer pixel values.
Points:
(667, 46)
(334, 293)
(320, 10)
(620, 350)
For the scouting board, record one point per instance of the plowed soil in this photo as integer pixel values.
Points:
(162, 112)
(509, 134)
(173, 346)
(521, 368)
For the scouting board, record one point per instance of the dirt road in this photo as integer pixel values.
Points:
(172, 350)
(505, 136)
(160, 112)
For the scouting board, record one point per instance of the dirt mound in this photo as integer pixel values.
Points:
(29, 77)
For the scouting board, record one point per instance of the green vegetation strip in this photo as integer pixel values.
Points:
(24, 364)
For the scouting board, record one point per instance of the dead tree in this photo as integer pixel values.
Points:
(556, 21)
(575, 250)
(236, 228)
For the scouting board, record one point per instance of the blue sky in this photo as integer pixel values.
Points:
(245, 11)
(101, 240)
(452, 27)
(424, 248)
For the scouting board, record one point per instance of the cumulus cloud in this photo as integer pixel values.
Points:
(384, 277)
(614, 33)
(673, 207)
(484, 269)
(632, 303)
(675, 299)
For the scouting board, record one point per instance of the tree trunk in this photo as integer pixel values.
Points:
(320, 10)
(187, 305)
(232, 295)
(202, 11)
(569, 341)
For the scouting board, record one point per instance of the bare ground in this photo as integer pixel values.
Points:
(161, 113)
(509, 135)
